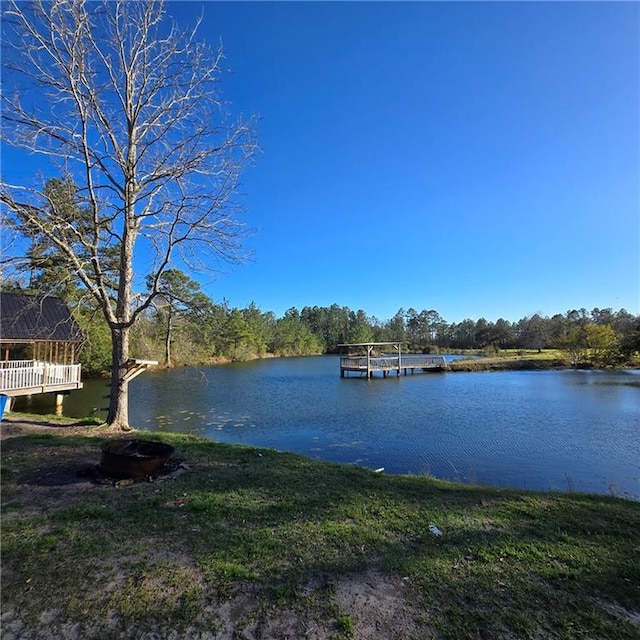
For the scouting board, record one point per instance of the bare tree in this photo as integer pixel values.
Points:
(125, 105)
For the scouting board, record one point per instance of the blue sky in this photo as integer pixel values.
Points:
(480, 159)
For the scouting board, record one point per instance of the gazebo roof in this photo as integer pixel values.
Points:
(369, 344)
(25, 318)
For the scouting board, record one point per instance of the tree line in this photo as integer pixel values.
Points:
(200, 333)
(184, 326)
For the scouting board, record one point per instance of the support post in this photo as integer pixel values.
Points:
(59, 399)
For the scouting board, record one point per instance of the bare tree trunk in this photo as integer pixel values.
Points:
(119, 400)
(119, 403)
(167, 344)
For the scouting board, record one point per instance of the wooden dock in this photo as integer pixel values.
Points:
(387, 363)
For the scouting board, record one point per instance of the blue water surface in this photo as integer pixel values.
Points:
(565, 430)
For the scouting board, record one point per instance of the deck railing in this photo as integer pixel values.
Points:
(392, 361)
(18, 375)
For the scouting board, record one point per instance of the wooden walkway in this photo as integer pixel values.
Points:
(387, 363)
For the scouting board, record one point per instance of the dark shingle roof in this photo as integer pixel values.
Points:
(25, 318)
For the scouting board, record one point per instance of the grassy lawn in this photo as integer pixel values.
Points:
(515, 359)
(544, 354)
(248, 543)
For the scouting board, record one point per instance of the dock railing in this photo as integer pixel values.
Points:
(390, 362)
(21, 377)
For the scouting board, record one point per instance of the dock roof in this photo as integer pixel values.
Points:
(26, 318)
(369, 344)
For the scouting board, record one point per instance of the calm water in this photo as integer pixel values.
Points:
(533, 429)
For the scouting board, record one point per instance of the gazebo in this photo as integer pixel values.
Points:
(387, 363)
(39, 345)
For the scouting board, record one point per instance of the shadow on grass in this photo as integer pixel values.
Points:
(519, 561)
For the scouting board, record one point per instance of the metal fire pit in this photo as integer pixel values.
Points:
(131, 458)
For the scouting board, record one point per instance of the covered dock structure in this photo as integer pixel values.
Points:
(39, 345)
(367, 358)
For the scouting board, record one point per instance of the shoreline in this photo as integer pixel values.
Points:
(25, 424)
(512, 364)
(482, 363)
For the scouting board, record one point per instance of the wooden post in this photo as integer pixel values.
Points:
(59, 399)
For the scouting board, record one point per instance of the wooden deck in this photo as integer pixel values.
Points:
(386, 364)
(27, 377)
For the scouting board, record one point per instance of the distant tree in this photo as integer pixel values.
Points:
(624, 322)
(483, 334)
(603, 344)
(292, 336)
(395, 328)
(214, 327)
(574, 342)
(415, 328)
(377, 329)
(130, 107)
(315, 318)
(337, 326)
(359, 328)
(602, 316)
(630, 341)
(533, 332)
(238, 333)
(502, 334)
(435, 326)
(578, 317)
(463, 334)
(177, 295)
(261, 327)
(557, 327)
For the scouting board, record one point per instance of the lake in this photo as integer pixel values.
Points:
(564, 430)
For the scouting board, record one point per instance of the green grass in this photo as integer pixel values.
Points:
(57, 419)
(544, 354)
(262, 525)
(513, 359)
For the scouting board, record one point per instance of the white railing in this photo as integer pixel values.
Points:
(32, 374)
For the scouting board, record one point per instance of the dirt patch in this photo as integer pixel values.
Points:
(620, 612)
(364, 606)
(380, 605)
